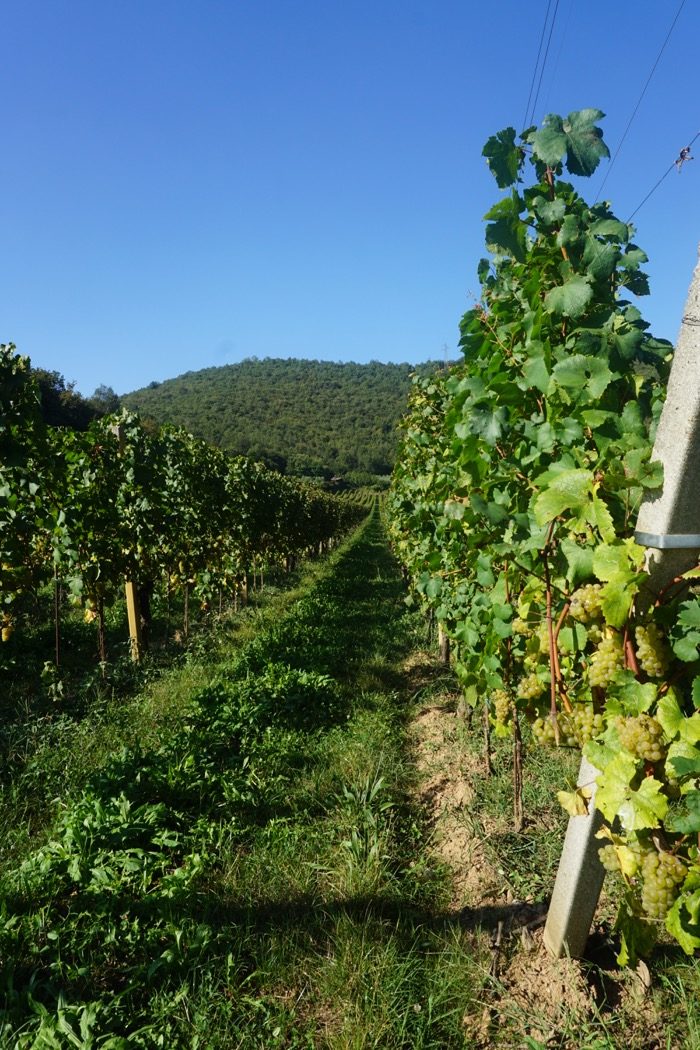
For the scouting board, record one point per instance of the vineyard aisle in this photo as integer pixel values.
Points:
(314, 859)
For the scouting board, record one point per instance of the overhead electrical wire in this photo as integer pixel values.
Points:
(544, 63)
(537, 63)
(639, 100)
(531, 106)
(562, 41)
(677, 163)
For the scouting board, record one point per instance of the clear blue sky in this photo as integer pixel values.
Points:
(189, 183)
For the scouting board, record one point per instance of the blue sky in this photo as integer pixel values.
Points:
(190, 183)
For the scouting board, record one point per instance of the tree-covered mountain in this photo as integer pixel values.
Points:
(306, 417)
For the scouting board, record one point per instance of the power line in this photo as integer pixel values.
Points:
(639, 100)
(555, 67)
(677, 163)
(537, 62)
(544, 63)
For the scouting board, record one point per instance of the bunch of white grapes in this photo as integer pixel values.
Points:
(642, 736)
(606, 661)
(585, 603)
(520, 626)
(595, 633)
(662, 874)
(532, 660)
(543, 638)
(587, 723)
(502, 706)
(609, 858)
(545, 734)
(652, 652)
(530, 687)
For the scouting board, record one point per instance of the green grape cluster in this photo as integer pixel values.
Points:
(595, 633)
(609, 858)
(544, 734)
(531, 661)
(543, 731)
(606, 661)
(530, 687)
(652, 652)
(587, 723)
(543, 638)
(585, 603)
(502, 707)
(662, 874)
(642, 736)
(521, 627)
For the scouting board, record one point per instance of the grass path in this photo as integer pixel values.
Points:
(312, 859)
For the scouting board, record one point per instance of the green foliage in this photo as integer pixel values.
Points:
(311, 418)
(61, 405)
(120, 501)
(516, 493)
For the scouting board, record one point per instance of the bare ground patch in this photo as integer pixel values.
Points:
(529, 999)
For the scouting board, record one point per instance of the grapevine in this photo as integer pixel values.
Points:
(514, 502)
(121, 502)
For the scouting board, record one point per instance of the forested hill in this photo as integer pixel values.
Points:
(308, 417)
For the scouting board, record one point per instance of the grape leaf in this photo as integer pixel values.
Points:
(689, 615)
(686, 820)
(599, 515)
(617, 596)
(569, 232)
(576, 137)
(571, 298)
(636, 809)
(550, 211)
(669, 715)
(503, 157)
(575, 802)
(580, 372)
(569, 490)
(614, 784)
(549, 143)
(600, 260)
(687, 648)
(612, 558)
(536, 374)
(433, 588)
(685, 766)
(584, 147)
(579, 560)
(634, 696)
(680, 923)
(637, 937)
(645, 808)
(696, 692)
(620, 231)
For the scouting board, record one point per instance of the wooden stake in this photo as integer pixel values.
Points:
(488, 765)
(134, 618)
(57, 614)
(444, 646)
(518, 813)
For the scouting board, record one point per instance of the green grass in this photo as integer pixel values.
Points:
(253, 869)
(52, 740)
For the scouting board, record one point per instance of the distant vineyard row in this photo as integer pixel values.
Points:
(120, 502)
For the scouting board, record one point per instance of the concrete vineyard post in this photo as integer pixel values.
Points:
(668, 525)
(579, 878)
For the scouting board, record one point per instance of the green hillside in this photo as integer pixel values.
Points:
(308, 417)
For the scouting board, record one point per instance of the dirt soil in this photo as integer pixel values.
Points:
(530, 1000)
